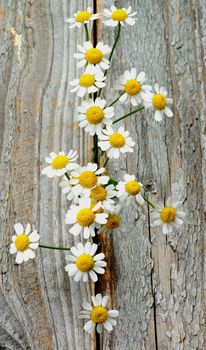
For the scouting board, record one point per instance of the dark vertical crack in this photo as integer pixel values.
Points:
(152, 284)
(97, 288)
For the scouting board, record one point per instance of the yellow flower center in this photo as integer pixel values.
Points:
(159, 101)
(83, 16)
(22, 242)
(94, 115)
(98, 193)
(86, 80)
(132, 87)
(59, 162)
(88, 179)
(99, 314)
(94, 56)
(132, 187)
(117, 140)
(168, 214)
(85, 263)
(85, 217)
(119, 15)
(113, 221)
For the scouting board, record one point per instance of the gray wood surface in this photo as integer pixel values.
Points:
(156, 282)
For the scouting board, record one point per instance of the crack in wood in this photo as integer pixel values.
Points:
(152, 284)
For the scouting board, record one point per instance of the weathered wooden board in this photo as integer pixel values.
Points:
(39, 306)
(160, 287)
(157, 282)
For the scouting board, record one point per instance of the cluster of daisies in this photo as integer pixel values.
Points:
(96, 200)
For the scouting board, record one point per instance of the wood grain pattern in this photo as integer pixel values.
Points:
(160, 280)
(156, 282)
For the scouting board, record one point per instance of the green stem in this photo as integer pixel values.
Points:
(113, 48)
(116, 41)
(106, 161)
(116, 99)
(86, 31)
(131, 113)
(50, 247)
(147, 200)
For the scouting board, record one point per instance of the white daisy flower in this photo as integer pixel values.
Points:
(98, 315)
(60, 163)
(85, 218)
(121, 15)
(129, 188)
(84, 179)
(90, 55)
(89, 82)
(23, 243)
(159, 101)
(84, 262)
(115, 142)
(82, 17)
(113, 220)
(103, 196)
(169, 216)
(133, 86)
(94, 115)
(67, 189)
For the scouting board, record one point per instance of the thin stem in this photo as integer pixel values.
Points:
(113, 48)
(54, 248)
(116, 99)
(131, 113)
(147, 200)
(67, 176)
(95, 150)
(116, 41)
(106, 161)
(86, 31)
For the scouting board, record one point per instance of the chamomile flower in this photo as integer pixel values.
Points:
(90, 55)
(128, 189)
(82, 17)
(85, 218)
(98, 315)
(159, 101)
(103, 196)
(60, 163)
(119, 15)
(94, 115)
(67, 189)
(169, 216)
(90, 81)
(133, 87)
(113, 220)
(23, 243)
(115, 142)
(84, 262)
(84, 179)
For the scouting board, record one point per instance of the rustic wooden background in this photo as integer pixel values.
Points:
(156, 282)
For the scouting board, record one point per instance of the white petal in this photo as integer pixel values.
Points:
(76, 229)
(105, 300)
(28, 229)
(108, 326)
(113, 313)
(158, 115)
(93, 276)
(18, 228)
(87, 306)
(12, 249)
(19, 257)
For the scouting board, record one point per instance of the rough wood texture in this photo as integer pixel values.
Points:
(157, 282)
